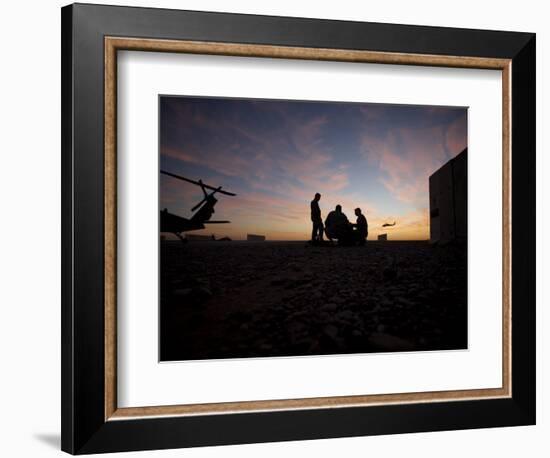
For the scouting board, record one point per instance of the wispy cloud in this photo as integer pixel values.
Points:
(407, 156)
(276, 155)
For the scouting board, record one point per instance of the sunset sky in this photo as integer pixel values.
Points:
(275, 155)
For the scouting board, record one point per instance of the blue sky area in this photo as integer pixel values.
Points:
(277, 154)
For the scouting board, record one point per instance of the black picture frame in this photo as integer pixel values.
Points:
(84, 427)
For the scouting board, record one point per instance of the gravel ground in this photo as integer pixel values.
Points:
(239, 299)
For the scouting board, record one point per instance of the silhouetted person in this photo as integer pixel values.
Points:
(317, 231)
(361, 227)
(337, 226)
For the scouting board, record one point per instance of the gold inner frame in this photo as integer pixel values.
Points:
(114, 44)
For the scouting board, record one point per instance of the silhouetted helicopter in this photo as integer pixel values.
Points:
(177, 224)
(388, 224)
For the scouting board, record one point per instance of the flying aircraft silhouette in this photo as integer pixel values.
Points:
(388, 224)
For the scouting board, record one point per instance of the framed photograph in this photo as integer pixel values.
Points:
(281, 228)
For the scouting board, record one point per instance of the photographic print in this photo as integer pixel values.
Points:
(299, 228)
(287, 261)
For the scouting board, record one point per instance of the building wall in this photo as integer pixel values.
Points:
(255, 238)
(449, 200)
(198, 237)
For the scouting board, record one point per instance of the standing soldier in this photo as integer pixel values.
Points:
(318, 229)
(361, 227)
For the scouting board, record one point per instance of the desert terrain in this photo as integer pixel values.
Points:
(265, 299)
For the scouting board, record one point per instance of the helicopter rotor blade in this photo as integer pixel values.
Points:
(206, 196)
(198, 205)
(203, 188)
(198, 183)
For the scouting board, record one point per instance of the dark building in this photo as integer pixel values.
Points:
(199, 238)
(255, 238)
(449, 200)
